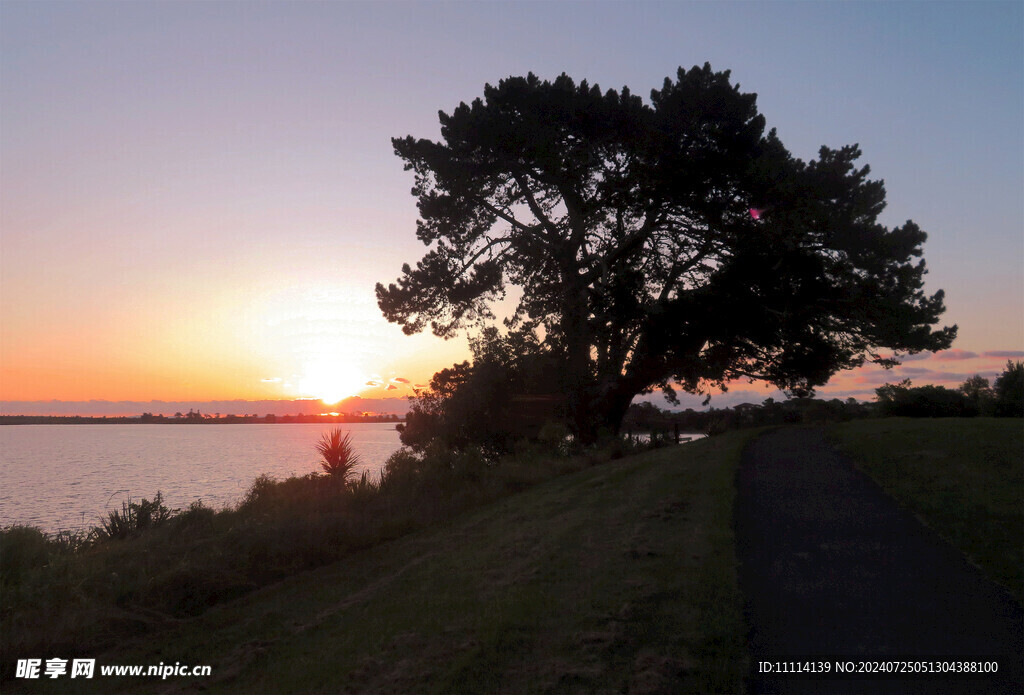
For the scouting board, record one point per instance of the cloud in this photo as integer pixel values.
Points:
(947, 355)
(913, 358)
(1003, 353)
(920, 376)
(875, 376)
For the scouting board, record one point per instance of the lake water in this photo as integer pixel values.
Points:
(68, 476)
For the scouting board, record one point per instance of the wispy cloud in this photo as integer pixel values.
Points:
(918, 375)
(917, 358)
(955, 354)
(1003, 353)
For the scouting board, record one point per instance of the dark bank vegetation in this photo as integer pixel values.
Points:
(618, 575)
(147, 566)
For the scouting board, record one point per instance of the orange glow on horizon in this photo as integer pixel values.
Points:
(331, 381)
(277, 341)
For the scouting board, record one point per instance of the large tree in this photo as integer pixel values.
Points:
(661, 244)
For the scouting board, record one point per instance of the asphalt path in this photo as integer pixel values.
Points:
(833, 569)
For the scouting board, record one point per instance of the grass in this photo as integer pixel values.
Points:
(619, 577)
(78, 593)
(963, 477)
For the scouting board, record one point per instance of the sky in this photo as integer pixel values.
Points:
(197, 198)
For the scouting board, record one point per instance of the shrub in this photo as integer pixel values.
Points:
(135, 517)
(340, 458)
(260, 491)
(1009, 388)
(198, 518)
(22, 549)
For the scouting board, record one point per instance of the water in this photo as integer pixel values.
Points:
(68, 476)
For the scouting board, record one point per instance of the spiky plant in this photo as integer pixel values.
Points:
(340, 458)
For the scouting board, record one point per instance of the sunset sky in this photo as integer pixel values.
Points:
(197, 198)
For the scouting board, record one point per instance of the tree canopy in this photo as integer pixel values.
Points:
(655, 245)
(1009, 390)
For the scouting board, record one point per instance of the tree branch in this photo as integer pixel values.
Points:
(534, 206)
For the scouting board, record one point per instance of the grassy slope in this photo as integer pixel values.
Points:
(619, 577)
(963, 477)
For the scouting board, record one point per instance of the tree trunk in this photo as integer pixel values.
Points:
(600, 414)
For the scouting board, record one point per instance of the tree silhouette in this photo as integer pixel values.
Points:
(485, 404)
(1009, 390)
(979, 393)
(657, 244)
(339, 455)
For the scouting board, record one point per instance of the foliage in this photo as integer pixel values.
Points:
(135, 517)
(904, 400)
(147, 566)
(461, 606)
(22, 549)
(339, 456)
(491, 403)
(973, 397)
(648, 417)
(1009, 391)
(979, 394)
(674, 242)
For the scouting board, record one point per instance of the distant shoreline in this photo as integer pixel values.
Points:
(226, 420)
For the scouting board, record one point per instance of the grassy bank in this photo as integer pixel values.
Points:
(963, 477)
(148, 567)
(617, 577)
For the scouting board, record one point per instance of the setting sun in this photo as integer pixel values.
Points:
(331, 381)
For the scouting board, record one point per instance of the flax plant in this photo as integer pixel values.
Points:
(339, 456)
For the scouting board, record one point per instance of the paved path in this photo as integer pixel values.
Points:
(831, 566)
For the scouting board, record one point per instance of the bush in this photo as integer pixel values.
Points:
(197, 519)
(511, 392)
(135, 517)
(902, 400)
(22, 549)
(1009, 391)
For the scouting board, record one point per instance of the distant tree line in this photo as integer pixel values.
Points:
(647, 417)
(972, 398)
(505, 398)
(196, 417)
